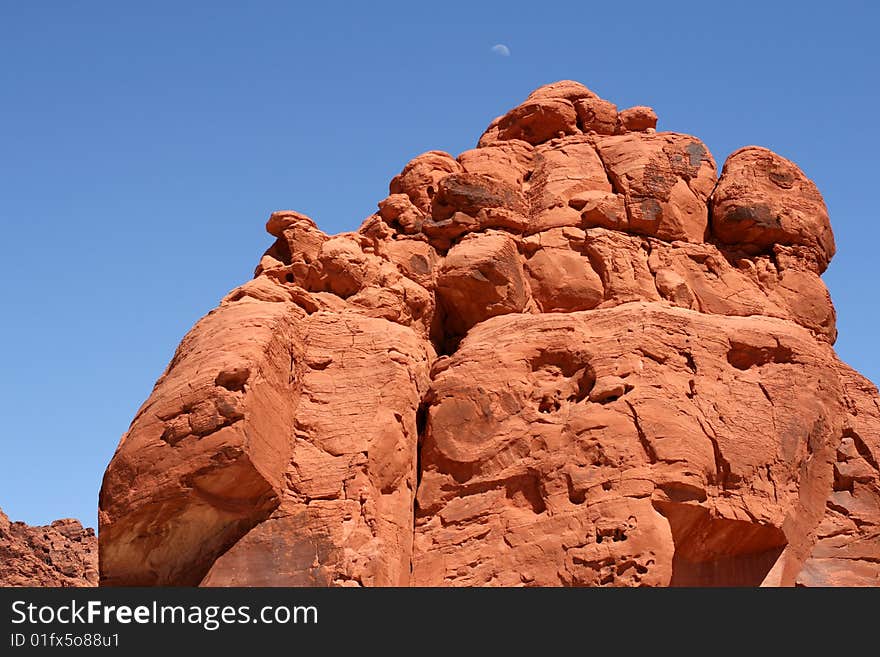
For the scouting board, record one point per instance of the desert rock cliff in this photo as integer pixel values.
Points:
(574, 355)
(60, 554)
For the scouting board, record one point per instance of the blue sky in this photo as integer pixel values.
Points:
(143, 145)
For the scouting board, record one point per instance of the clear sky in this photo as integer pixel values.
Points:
(143, 145)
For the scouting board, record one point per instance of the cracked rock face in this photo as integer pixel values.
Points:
(61, 554)
(571, 356)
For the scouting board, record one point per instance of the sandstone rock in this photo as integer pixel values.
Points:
(763, 199)
(562, 280)
(536, 364)
(534, 121)
(60, 554)
(294, 255)
(507, 161)
(847, 547)
(344, 266)
(597, 454)
(415, 259)
(420, 176)
(638, 119)
(564, 89)
(566, 172)
(204, 460)
(621, 261)
(283, 219)
(601, 209)
(470, 193)
(597, 115)
(711, 284)
(346, 516)
(399, 212)
(666, 179)
(481, 277)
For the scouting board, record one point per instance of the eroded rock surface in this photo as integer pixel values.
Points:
(573, 355)
(61, 554)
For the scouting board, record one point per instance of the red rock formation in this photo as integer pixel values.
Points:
(570, 356)
(60, 554)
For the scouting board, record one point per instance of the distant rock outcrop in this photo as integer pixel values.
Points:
(573, 355)
(60, 554)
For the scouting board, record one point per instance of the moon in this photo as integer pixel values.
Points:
(501, 49)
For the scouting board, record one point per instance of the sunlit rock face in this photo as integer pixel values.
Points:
(62, 554)
(574, 355)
